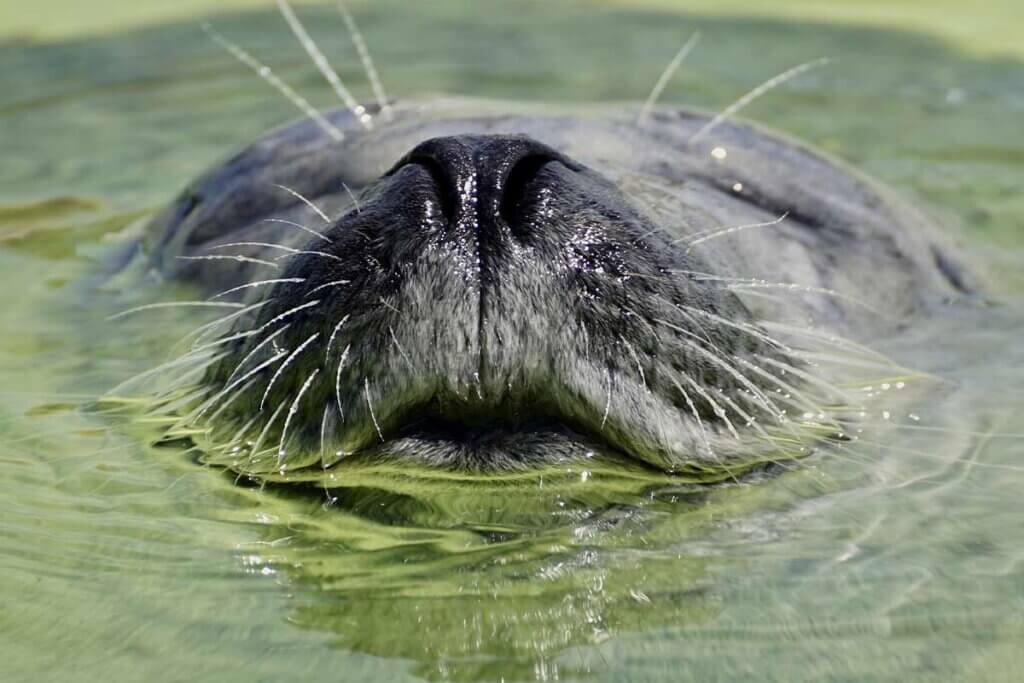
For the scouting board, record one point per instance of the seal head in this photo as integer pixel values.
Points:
(488, 300)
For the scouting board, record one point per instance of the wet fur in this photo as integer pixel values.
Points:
(357, 337)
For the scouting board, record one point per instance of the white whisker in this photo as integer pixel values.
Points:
(261, 283)
(718, 410)
(337, 380)
(229, 257)
(175, 304)
(201, 410)
(608, 398)
(636, 359)
(264, 432)
(729, 231)
(254, 351)
(308, 252)
(809, 377)
(696, 416)
(760, 90)
(290, 251)
(234, 397)
(321, 63)
(351, 195)
(369, 404)
(666, 76)
(200, 332)
(304, 200)
(323, 433)
(190, 357)
(291, 413)
(270, 77)
(289, 312)
(334, 333)
(401, 351)
(367, 61)
(287, 361)
(300, 226)
(333, 283)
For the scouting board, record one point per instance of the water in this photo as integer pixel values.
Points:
(898, 558)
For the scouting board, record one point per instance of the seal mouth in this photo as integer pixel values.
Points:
(492, 305)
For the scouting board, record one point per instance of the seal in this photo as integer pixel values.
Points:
(493, 286)
(488, 286)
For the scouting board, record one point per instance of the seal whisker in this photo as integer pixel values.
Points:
(666, 76)
(608, 400)
(290, 311)
(715, 358)
(201, 410)
(268, 245)
(636, 359)
(259, 283)
(931, 456)
(229, 257)
(744, 284)
(291, 414)
(300, 226)
(810, 378)
(287, 361)
(355, 201)
(200, 332)
(212, 419)
(749, 420)
(369, 404)
(180, 360)
(337, 380)
(757, 92)
(332, 283)
(254, 452)
(830, 339)
(401, 351)
(703, 430)
(255, 350)
(808, 404)
(323, 431)
(717, 409)
(175, 304)
(308, 202)
(299, 252)
(708, 235)
(334, 333)
(267, 74)
(323, 66)
(748, 328)
(239, 433)
(364, 56)
(805, 289)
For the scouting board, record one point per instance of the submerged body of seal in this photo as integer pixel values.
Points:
(486, 286)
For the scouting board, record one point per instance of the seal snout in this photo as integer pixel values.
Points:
(488, 292)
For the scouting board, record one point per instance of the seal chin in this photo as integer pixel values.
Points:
(492, 304)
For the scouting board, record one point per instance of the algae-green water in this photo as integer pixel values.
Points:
(899, 556)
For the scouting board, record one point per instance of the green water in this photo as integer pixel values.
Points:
(900, 557)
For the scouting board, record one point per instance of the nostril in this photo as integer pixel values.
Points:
(444, 185)
(517, 185)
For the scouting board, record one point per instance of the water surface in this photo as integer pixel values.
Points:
(897, 557)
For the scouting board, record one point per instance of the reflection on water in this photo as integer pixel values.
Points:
(897, 555)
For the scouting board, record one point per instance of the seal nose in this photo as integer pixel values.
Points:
(481, 179)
